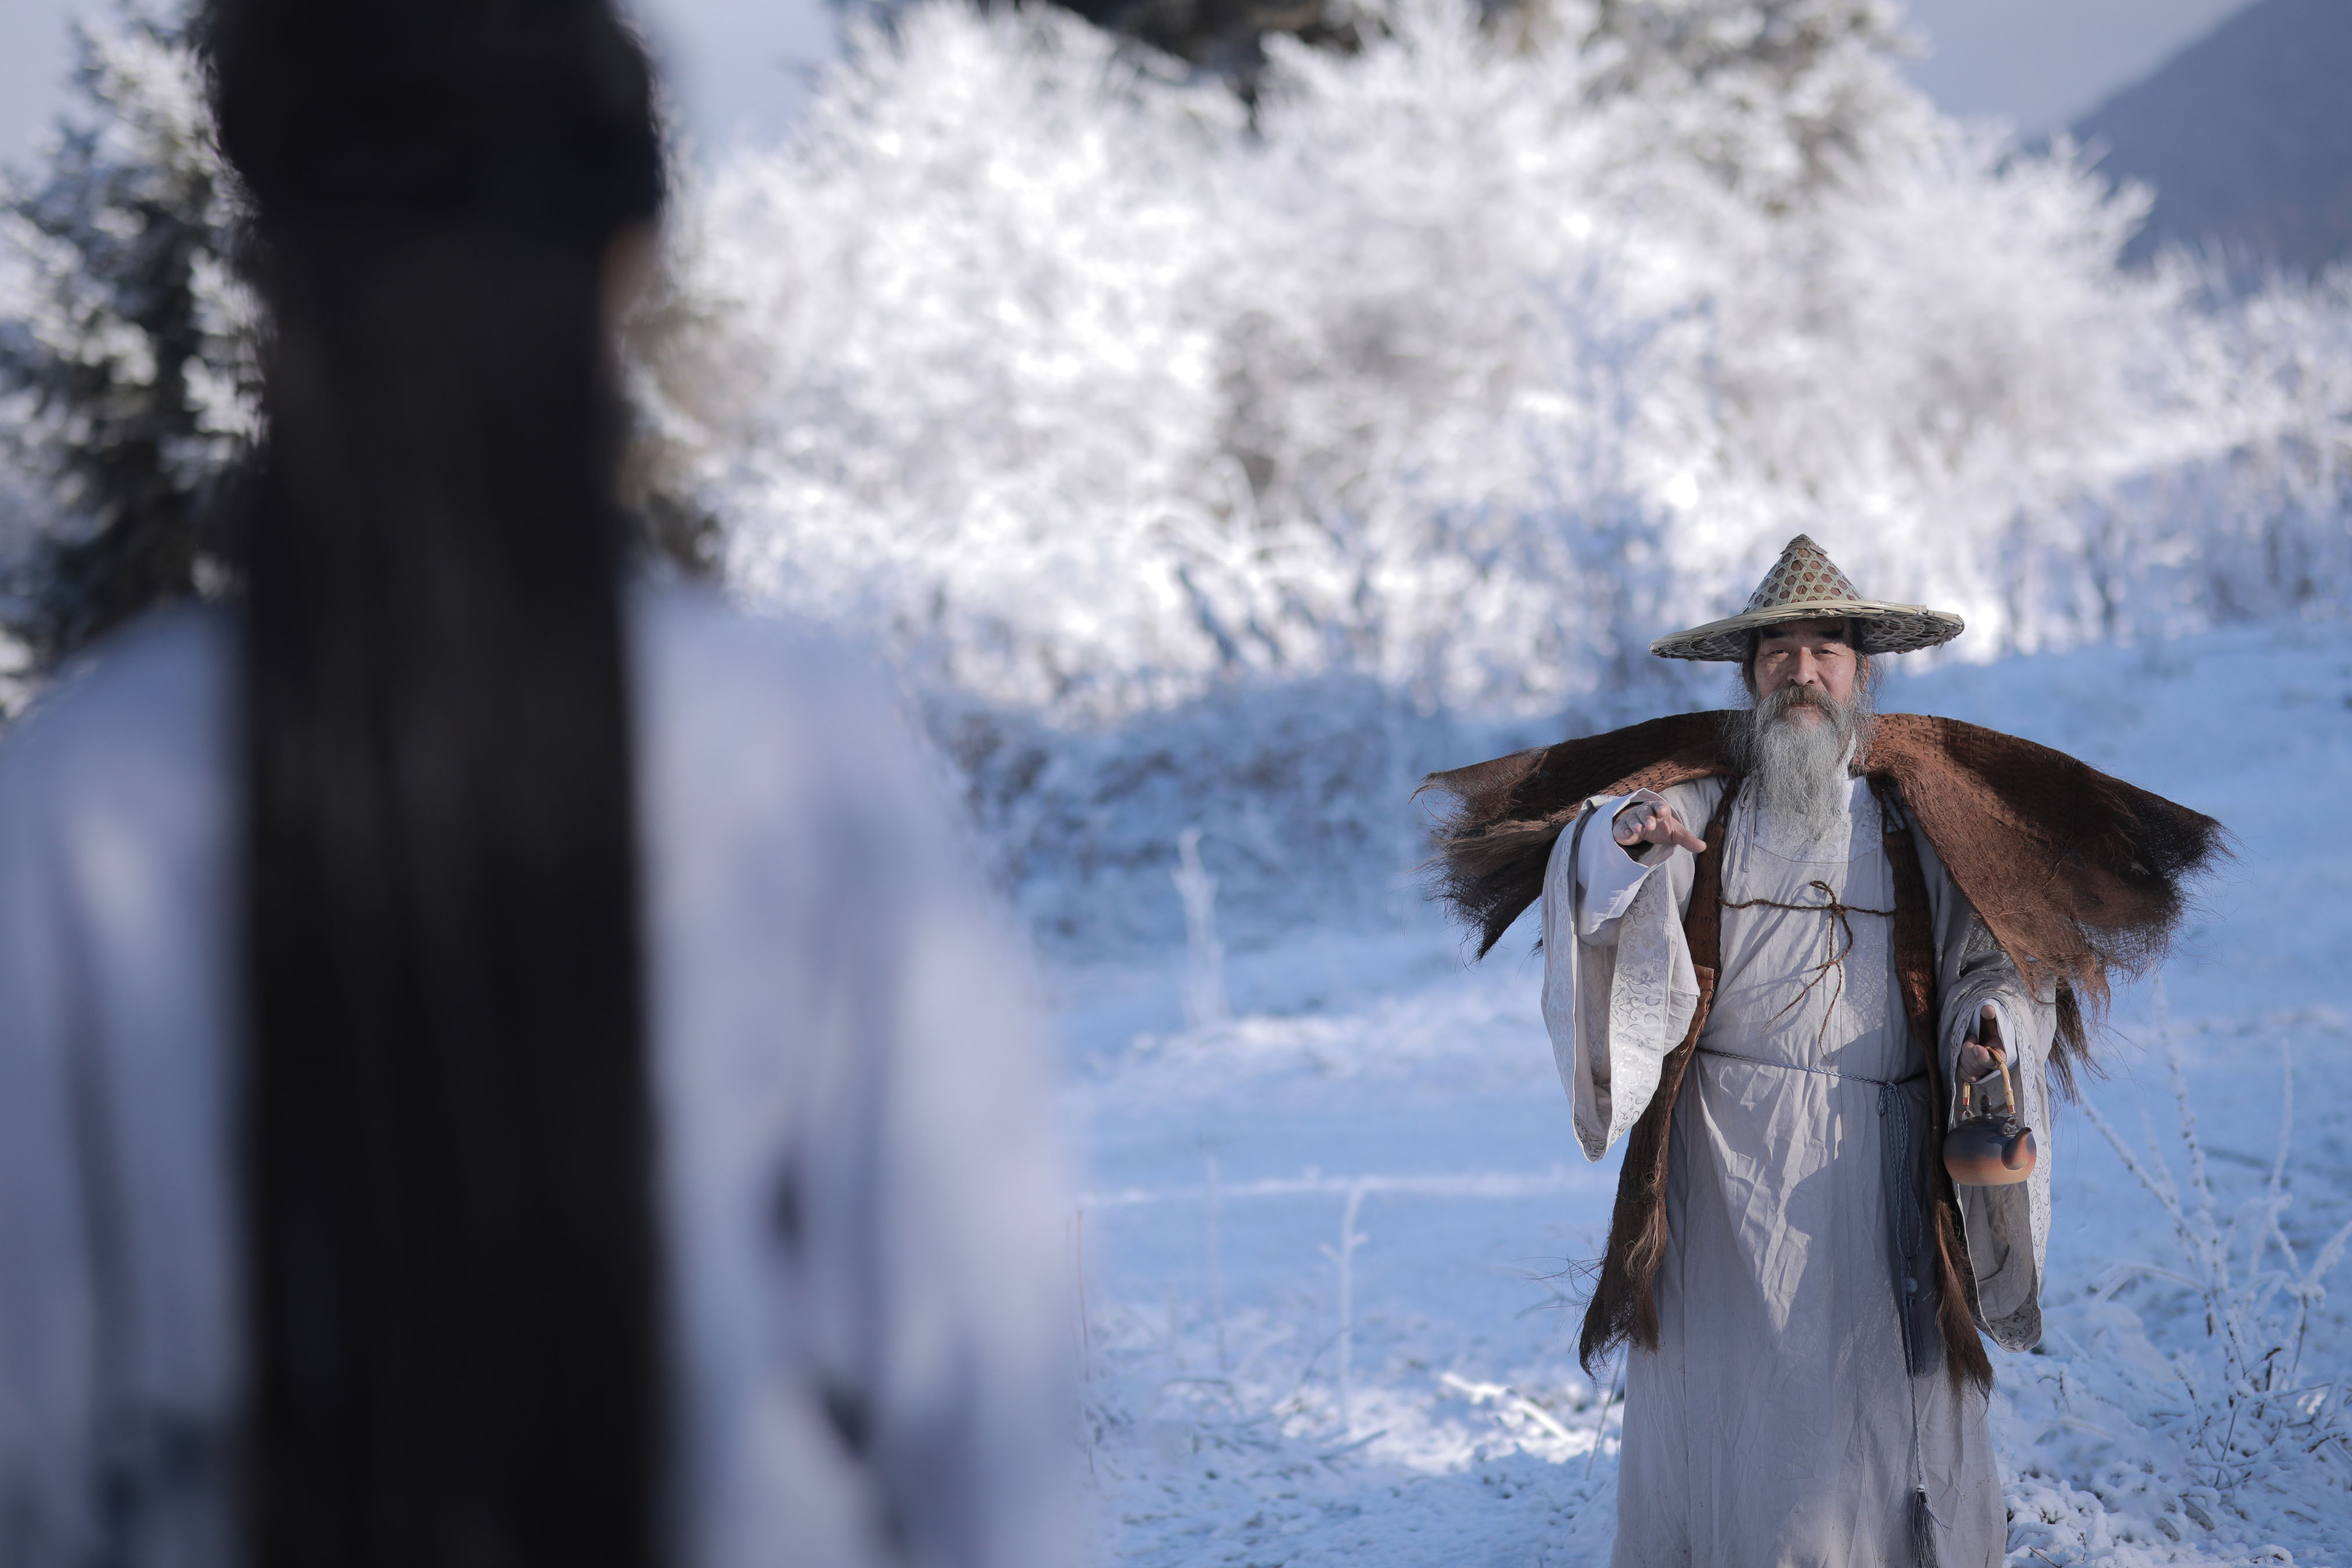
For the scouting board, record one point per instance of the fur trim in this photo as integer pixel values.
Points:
(1494, 838)
(2076, 873)
(1915, 967)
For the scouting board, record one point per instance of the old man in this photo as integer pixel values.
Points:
(1786, 949)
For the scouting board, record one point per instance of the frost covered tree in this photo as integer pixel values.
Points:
(1458, 363)
(1225, 37)
(130, 380)
(127, 356)
(1426, 388)
(1797, 93)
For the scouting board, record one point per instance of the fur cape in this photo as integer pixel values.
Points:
(2076, 873)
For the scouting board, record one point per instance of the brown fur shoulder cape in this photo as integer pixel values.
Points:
(2075, 872)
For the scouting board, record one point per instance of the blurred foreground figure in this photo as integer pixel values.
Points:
(1819, 964)
(497, 1070)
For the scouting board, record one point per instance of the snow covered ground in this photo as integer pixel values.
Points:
(1331, 1245)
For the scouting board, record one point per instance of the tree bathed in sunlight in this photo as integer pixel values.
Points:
(1464, 361)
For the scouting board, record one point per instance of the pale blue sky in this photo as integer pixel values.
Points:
(738, 66)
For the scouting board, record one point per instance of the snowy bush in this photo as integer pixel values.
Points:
(1465, 365)
(1224, 465)
(1457, 368)
(1298, 788)
(2194, 1400)
(2244, 1405)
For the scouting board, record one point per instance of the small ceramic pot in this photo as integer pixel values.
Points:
(1992, 1148)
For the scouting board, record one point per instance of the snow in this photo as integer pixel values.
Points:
(1367, 1073)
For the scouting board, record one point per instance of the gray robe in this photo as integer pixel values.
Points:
(1781, 1420)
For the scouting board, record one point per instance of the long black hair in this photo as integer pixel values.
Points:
(452, 1271)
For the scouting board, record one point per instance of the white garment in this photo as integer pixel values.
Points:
(833, 1010)
(1781, 1420)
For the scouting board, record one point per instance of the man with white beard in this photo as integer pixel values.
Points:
(1819, 964)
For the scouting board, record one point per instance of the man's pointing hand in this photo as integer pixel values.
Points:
(1653, 822)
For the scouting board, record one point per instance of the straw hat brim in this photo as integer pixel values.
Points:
(1885, 628)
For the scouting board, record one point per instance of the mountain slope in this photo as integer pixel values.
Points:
(2246, 136)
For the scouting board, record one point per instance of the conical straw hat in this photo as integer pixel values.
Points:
(1804, 584)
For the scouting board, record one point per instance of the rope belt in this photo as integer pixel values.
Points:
(1799, 1066)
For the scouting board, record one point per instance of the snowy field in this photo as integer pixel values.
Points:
(1268, 1386)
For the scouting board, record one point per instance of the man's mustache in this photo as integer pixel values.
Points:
(1790, 697)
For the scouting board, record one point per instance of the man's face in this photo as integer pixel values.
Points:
(1814, 654)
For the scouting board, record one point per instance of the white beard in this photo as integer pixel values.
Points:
(1798, 767)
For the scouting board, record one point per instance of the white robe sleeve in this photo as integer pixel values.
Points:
(48, 1285)
(876, 1342)
(1618, 994)
(119, 1339)
(933, 1252)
